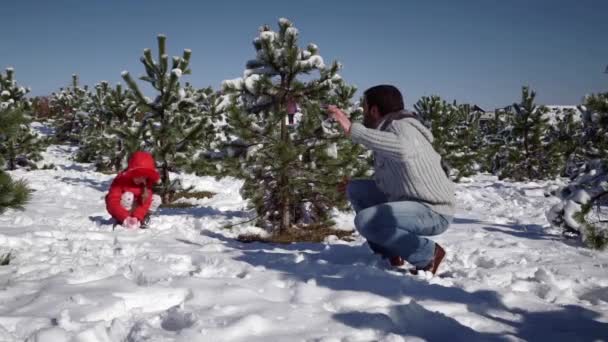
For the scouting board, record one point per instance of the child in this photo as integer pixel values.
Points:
(130, 199)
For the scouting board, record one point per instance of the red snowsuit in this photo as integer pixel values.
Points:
(141, 164)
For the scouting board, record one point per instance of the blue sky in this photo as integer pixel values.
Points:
(477, 51)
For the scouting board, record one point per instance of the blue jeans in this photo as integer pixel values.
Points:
(395, 228)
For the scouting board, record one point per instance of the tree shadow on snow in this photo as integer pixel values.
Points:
(526, 231)
(342, 267)
(570, 323)
(414, 320)
(102, 186)
(199, 212)
(100, 220)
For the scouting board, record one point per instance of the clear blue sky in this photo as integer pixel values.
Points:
(478, 51)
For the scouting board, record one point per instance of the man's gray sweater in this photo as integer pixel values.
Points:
(406, 166)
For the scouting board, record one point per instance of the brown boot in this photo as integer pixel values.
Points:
(434, 264)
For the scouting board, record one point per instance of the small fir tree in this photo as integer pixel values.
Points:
(174, 124)
(70, 107)
(530, 155)
(19, 145)
(112, 133)
(455, 131)
(13, 194)
(291, 157)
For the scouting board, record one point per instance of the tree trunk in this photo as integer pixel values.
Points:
(166, 194)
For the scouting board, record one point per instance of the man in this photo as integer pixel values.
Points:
(410, 195)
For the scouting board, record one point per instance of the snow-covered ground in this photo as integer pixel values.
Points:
(507, 275)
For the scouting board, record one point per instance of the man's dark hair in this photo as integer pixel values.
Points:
(387, 98)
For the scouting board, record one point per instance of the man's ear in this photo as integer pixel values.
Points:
(375, 112)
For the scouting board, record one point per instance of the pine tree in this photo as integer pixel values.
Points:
(595, 126)
(205, 157)
(584, 200)
(19, 146)
(13, 194)
(71, 108)
(567, 137)
(174, 124)
(464, 153)
(293, 157)
(582, 210)
(112, 132)
(530, 155)
(455, 131)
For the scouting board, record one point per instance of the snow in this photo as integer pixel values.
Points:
(314, 61)
(236, 83)
(558, 112)
(250, 83)
(507, 274)
(268, 35)
(177, 72)
(291, 31)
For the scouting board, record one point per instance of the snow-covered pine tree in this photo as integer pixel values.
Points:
(112, 133)
(205, 158)
(464, 153)
(293, 157)
(530, 154)
(495, 135)
(435, 113)
(595, 126)
(70, 108)
(583, 209)
(455, 131)
(175, 124)
(19, 145)
(567, 138)
(13, 194)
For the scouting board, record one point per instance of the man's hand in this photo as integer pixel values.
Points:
(343, 184)
(341, 117)
(131, 223)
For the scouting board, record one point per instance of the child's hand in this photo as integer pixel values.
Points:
(131, 223)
